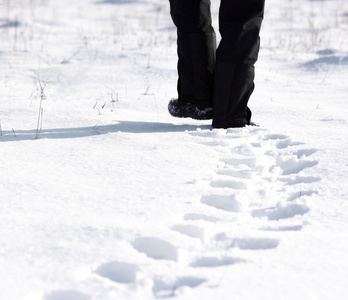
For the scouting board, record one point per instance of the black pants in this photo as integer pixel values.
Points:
(222, 76)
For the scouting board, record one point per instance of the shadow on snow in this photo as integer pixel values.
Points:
(10, 24)
(80, 132)
(117, 1)
(324, 62)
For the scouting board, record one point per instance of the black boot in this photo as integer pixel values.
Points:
(182, 109)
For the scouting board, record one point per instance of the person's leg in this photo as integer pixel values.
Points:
(240, 23)
(196, 49)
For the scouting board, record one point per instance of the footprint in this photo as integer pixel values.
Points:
(293, 165)
(281, 212)
(287, 143)
(195, 217)
(255, 243)
(156, 248)
(224, 202)
(236, 185)
(283, 228)
(275, 137)
(305, 152)
(210, 262)
(207, 133)
(118, 271)
(256, 145)
(190, 230)
(300, 179)
(245, 149)
(246, 174)
(67, 295)
(249, 161)
(302, 194)
(163, 289)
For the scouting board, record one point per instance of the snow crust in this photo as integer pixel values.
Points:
(105, 196)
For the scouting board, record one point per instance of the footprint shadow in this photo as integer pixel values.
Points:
(255, 243)
(234, 161)
(300, 180)
(211, 262)
(119, 272)
(224, 202)
(196, 217)
(156, 248)
(293, 165)
(241, 174)
(67, 295)
(305, 152)
(281, 212)
(271, 137)
(190, 230)
(283, 228)
(287, 143)
(232, 184)
(302, 194)
(163, 289)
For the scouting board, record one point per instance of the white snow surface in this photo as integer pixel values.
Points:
(105, 196)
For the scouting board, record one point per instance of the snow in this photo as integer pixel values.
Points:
(105, 196)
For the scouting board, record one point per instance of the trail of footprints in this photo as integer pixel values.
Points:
(261, 184)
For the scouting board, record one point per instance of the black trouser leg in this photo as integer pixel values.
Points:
(240, 23)
(196, 49)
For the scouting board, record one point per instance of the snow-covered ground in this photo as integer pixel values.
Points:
(105, 196)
